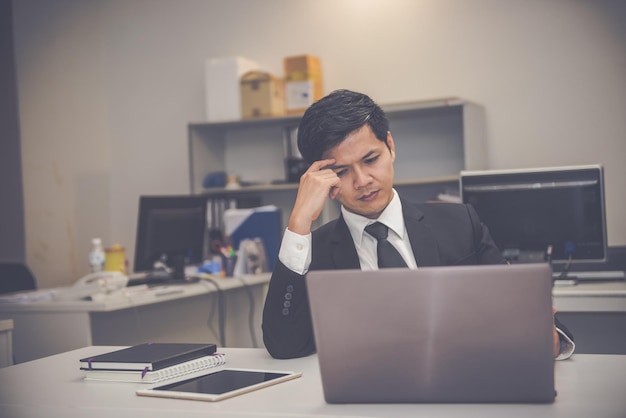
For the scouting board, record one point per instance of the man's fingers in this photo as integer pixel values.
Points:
(321, 164)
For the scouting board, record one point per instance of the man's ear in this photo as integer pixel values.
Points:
(391, 145)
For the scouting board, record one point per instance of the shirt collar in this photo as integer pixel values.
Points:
(391, 217)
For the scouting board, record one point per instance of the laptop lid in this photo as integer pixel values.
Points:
(435, 334)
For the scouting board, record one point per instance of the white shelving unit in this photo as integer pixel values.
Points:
(435, 140)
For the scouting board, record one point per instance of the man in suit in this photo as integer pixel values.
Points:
(345, 137)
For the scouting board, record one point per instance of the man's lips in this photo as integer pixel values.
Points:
(369, 196)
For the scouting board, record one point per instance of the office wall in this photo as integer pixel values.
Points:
(107, 88)
(12, 242)
(66, 135)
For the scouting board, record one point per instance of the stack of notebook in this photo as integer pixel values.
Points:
(152, 362)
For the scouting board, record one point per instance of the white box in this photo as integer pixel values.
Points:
(299, 95)
(223, 98)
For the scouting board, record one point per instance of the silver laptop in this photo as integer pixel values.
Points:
(436, 334)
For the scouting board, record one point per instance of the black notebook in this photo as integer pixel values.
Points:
(147, 357)
(181, 369)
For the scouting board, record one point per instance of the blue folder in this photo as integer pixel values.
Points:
(264, 223)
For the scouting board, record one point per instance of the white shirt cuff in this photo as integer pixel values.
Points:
(567, 346)
(295, 251)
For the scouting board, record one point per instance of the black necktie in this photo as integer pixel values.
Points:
(388, 256)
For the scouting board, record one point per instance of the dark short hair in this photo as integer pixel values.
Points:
(327, 122)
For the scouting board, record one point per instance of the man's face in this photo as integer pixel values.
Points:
(365, 167)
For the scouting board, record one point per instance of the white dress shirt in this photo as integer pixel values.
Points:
(366, 244)
(295, 250)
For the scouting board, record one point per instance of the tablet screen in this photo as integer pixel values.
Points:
(220, 384)
(222, 381)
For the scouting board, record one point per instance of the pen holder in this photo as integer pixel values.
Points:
(228, 265)
(115, 259)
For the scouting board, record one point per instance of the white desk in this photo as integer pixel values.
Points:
(596, 315)
(587, 386)
(591, 297)
(134, 316)
(594, 312)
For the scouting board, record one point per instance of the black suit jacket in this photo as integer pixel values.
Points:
(440, 234)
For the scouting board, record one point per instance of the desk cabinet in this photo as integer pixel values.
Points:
(434, 139)
(136, 315)
(596, 314)
(6, 342)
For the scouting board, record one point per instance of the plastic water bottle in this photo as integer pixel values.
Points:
(96, 256)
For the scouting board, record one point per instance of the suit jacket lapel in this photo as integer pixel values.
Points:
(343, 250)
(423, 241)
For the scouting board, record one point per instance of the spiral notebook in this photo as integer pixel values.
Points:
(182, 369)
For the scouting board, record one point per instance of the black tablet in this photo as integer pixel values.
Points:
(220, 384)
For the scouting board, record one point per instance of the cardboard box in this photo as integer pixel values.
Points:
(303, 82)
(298, 67)
(262, 94)
(223, 99)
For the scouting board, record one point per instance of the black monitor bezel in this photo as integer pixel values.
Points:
(150, 203)
(551, 176)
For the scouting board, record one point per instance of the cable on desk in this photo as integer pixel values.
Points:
(251, 312)
(212, 310)
(570, 249)
(138, 324)
(139, 329)
(220, 312)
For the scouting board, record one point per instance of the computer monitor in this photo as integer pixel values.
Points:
(529, 211)
(171, 229)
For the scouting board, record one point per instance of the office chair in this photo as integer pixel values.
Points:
(15, 276)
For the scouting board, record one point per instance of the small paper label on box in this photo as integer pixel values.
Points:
(299, 94)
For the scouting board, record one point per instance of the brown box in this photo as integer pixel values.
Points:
(303, 82)
(298, 67)
(262, 94)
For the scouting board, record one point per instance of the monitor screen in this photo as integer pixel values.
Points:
(171, 229)
(527, 211)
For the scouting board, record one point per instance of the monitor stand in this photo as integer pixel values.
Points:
(177, 265)
(515, 256)
(175, 276)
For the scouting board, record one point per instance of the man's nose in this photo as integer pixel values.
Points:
(361, 177)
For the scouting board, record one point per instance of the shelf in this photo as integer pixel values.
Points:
(435, 140)
(260, 188)
(295, 119)
(248, 189)
(264, 121)
(426, 181)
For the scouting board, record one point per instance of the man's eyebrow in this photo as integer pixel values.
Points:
(366, 156)
(335, 167)
(339, 166)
